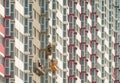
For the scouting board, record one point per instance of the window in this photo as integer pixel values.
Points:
(109, 39)
(64, 2)
(7, 80)
(25, 58)
(12, 74)
(30, 79)
(64, 62)
(7, 51)
(102, 18)
(25, 23)
(110, 64)
(71, 80)
(64, 77)
(110, 15)
(54, 18)
(30, 10)
(26, 6)
(71, 6)
(26, 77)
(7, 43)
(30, 62)
(26, 40)
(103, 71)
(12, 11)
(30, 28)
(64, 49)
(64, 11)
(54, 5)
(42, 24)
(71, 66)
(12, 47)
(53, 81)
(102, 81)
(102, 31)
(12, 7)
(110, 28)
(7, 6)
(64, 18)
(7, 23)
(26, 62)
(30, 65)
(7, 71)
(64, 30)
(64, 74)
(12, 66)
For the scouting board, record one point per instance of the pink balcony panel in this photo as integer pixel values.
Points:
(2, 30)
(2, 50)
(2, 70)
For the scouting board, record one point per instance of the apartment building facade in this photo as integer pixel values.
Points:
(117, 38)
(17, 46)
(59, 41)
(85, 30)
(2, 45)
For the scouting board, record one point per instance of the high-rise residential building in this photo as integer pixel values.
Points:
(17, 42)
(35, 42)
(2, 44)
(116, 28)
(59, 41)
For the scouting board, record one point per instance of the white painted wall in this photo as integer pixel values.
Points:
(2, 12)
(19, 7)
(19, 64)
(19, 26)
(19, 45)
(17, 79)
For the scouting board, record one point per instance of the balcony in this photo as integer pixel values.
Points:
(38, 68)
(53, 65)
(2, 70)
(2, 30)
(2, 50)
